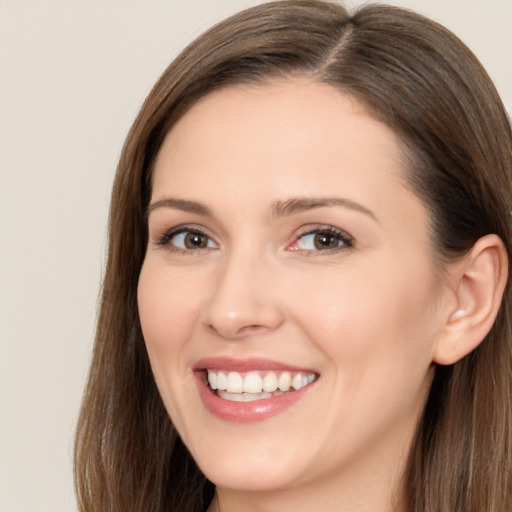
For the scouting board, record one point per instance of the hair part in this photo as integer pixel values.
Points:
(423, 83)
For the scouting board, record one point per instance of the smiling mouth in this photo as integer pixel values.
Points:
(256, 385)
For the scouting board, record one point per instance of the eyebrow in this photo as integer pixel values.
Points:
(298, 205)
(279, 208)
(181, 204)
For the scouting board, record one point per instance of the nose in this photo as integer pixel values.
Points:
(243, 299)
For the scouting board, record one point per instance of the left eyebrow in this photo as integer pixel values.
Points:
(298, 205)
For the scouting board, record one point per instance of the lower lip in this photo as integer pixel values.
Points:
(247, 412)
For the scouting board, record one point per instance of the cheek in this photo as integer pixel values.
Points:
(364, 316)
(162, 300)
(168, 311)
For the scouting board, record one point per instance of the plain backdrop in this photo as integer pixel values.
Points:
(72, 77)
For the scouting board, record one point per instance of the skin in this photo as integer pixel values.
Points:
(365, 316)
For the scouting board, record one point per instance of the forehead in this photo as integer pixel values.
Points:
(288, 126)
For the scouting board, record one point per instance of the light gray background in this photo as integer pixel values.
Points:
(72, 77)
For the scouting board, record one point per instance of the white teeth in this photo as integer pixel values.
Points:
(270, 382)
(235, 383)
(297, 381)
(284, 382)
(246, 387)
(222, 381)
(243, 397)
(212, 380)
(252, 383)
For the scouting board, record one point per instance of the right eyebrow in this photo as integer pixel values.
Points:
(180, 204)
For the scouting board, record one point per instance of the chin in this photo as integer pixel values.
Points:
(250, 476)
(263, 462)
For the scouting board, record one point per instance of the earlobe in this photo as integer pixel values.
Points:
(478, 283)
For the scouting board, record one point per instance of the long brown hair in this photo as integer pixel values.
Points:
(420, 80)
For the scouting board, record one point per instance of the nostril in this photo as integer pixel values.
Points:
(254, 329)
(238, 332)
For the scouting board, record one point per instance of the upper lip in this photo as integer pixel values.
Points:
(246, 365)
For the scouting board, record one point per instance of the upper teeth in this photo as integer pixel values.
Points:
(257, 382)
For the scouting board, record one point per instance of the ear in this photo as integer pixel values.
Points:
(476, 286)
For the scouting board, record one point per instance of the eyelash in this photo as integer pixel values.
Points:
(164, 240)
(344, 238)
(341, 236)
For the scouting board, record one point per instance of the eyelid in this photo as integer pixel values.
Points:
(162, 240)
(347, 239)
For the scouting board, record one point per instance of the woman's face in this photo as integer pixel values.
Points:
(285, 252)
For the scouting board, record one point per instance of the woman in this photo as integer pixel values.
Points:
(305, 305)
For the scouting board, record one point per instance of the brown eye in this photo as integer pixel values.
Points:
(324, 241)
(186, 240)
(193, 240)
